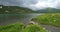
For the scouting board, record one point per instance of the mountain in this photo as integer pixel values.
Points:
(49, 10)
(14, 10)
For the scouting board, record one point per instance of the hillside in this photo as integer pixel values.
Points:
(49, 10)
(14, 10)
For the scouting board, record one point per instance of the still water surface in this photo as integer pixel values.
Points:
(6, 19)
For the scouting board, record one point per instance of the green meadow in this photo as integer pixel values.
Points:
(49, 19)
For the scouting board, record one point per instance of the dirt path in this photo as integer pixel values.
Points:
(51, 28)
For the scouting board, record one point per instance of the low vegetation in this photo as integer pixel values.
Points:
(22, 28)
(50, 19)
(34, 28)
(12, 28)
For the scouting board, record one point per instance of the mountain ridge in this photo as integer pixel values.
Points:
(14, 10)
(48, 10)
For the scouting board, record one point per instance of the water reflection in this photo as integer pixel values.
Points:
(6, 19)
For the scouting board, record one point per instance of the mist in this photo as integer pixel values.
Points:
(32, 4)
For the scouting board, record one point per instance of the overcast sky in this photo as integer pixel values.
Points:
(33, 4)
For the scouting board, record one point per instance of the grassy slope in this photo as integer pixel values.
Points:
(22, 28)
(12, 28)
(50, 19)
(14, 10)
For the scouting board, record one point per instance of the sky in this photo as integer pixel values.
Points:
(32, 4)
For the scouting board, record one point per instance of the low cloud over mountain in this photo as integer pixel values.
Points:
(33, 4)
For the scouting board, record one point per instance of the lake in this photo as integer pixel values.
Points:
(6, 19)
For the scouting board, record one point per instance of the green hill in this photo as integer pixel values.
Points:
(14, 10)
(49, 10)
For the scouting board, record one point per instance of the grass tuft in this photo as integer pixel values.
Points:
(22, 28)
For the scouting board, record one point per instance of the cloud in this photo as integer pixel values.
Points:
(44, 4)
(32, 4)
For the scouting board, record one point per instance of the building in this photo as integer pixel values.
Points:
(1, 6)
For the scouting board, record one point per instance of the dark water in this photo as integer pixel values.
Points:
(6, 19)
